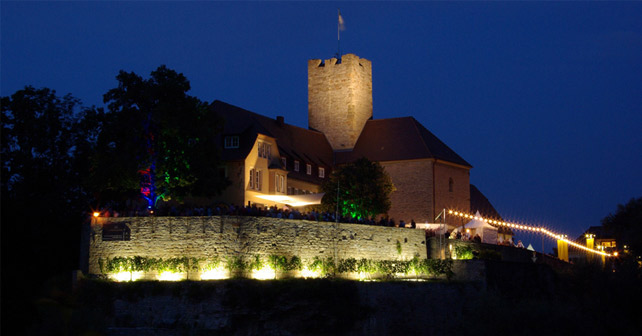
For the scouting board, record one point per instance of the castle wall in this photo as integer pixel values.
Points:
(412, 199)
(340, 98)
(230, 236)
(459, 197)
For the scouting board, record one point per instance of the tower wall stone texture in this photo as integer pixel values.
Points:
(340, 98)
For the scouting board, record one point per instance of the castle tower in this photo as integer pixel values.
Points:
(340, 98)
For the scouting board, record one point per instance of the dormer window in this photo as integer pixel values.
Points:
(308, 169)
(284, 161)
(296, 165)
(232, 141)
(321, 172)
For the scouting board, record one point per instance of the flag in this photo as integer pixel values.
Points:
(341, 25)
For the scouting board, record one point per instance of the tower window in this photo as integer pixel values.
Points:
(284, 161)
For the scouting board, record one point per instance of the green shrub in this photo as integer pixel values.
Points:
(463, 252)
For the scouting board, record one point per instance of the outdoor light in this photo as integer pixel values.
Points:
(96, 214)
(537, 229)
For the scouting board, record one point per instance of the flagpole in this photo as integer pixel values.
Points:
(338, 33)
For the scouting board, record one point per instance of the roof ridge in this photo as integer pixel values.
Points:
(415, 122)
(263, 117)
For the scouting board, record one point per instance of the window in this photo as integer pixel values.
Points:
(284, 161)
(252, 178)
(261, 151)
(450, 184)
(257, 179)
(232, 141)
(321, 172)
(279, 182)
(308, 169)
(296, 165)
(268, 151)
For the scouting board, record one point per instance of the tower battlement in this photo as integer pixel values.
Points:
(340, 98)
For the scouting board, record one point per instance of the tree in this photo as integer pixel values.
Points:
(626, 225)
(45, 143)
(362, 188)
(157, 140)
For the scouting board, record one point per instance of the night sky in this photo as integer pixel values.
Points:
(544, 99)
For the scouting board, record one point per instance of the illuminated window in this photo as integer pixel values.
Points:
(257, 183)
(296, 165)
(252, 178)
(232, 141)
(308, 169)
(321, 172)
(262, 148)
(282, 183)
(268, 151)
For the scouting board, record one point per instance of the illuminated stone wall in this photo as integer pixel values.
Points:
(457, 199)
(340, 98)
(230, 236)
(415, 181)
(413, 197)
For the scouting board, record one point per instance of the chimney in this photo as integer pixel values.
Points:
(280, 120)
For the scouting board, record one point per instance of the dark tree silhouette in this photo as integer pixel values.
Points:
(626, 225)
(157, 140)
(45, 143)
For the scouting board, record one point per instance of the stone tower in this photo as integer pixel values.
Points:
(340, 98)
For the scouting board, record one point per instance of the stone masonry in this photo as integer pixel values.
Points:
(231, 236)
(340, 98)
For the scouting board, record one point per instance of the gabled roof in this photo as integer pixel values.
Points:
(296, 143)
(399, 139)
(479, 203)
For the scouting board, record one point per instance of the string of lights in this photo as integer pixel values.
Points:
(528, 228)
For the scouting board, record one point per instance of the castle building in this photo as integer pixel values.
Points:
(272, 163)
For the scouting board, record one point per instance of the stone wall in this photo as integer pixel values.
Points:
(413, 197)
(230, 236)
(457, 198)
(340, 98)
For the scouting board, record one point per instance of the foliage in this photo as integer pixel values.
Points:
(256, 264)
(347, 265)
(211, 264)
(45, 141)
(295, 264)
(325, 266)
(156, 136)
(363, 190)
(398, 246)
(626, 225)
(235, 264)
(463, 252)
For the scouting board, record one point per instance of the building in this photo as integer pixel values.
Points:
(595, 237)
(268, 160)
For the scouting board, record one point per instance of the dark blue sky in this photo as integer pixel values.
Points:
(544, 99)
